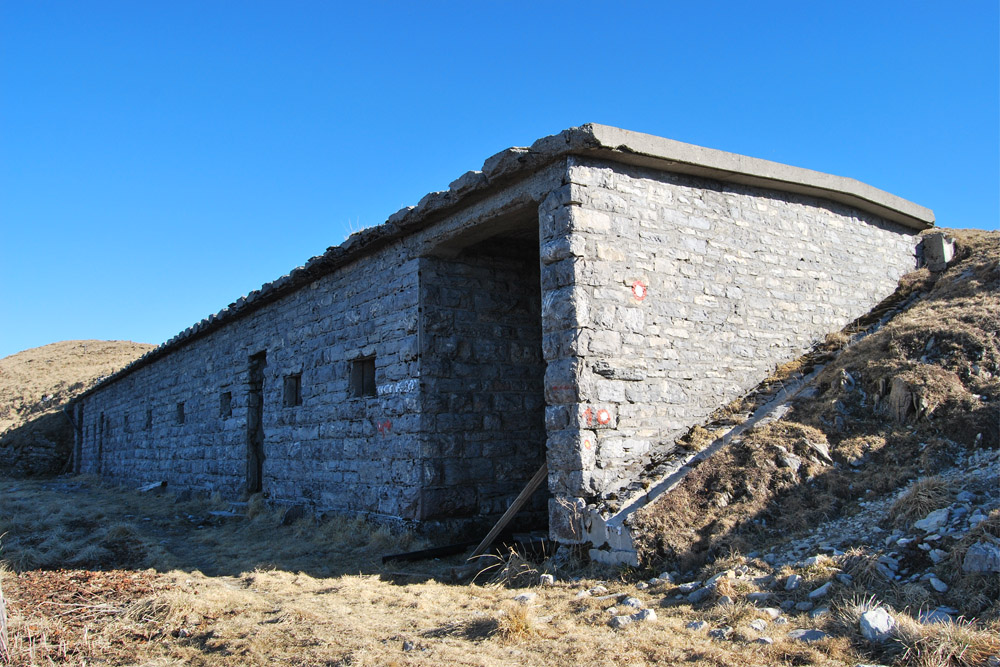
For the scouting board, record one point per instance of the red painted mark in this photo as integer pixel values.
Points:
(586, 444)
(384, 428)
(603, 416)
(588, 414)
(639, 290)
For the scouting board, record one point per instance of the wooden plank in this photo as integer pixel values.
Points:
(425, 554)
(514, 508)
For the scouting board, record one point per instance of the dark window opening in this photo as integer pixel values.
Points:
(363, 377)
(180, 413)
(293, 390)
(226, 404)
(149, 419)
(125, 422)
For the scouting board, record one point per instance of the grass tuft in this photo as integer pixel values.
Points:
(516, 622)
(923, 497)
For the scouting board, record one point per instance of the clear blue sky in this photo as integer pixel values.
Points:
(160, 159)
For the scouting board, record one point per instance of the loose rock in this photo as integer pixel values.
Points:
(808, 636)
(876, 624)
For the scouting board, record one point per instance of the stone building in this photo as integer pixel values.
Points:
(579, 303)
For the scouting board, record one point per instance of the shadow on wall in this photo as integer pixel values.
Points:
(39, 447)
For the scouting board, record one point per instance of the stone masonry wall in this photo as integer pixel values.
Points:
(666, 296)
(335, 451)
(481, 380)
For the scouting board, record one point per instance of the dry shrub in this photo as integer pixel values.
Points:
(957, 644)
(516, 622)
(697, 439)
(737, 613)
(914, 597)
(512, 571)
(923, 497)
(837, 340)
(851, 449)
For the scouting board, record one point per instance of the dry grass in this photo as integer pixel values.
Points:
(516, 623)
(958, 644)
(922, 497)
(249, 591)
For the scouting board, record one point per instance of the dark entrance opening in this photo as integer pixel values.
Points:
(255, 423)
(482, 376)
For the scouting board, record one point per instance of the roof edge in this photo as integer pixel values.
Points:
(677, 156)
(512, 164)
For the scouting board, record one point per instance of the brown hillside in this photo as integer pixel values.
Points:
(34, 385)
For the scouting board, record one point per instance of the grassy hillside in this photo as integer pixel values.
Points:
(34, 384)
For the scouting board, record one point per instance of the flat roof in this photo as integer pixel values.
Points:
(513, 164)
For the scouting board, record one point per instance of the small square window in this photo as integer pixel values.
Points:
(293, 390)
(363, 377)
(226, 404)
(180, 413)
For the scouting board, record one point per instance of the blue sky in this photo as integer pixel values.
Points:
(160, 159)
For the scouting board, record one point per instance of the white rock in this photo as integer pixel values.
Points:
(938, 585)
(644, 615)
(758, 624)
(619, 622)
(808, 636)
(725, 574)
(635, 603)
(937, 555)
(696, 625)
(933, 521)
(876, 624)
(546, 580)
(793, 582)
(819, 612)
(934, 616)
(821, 591)
(982, 558)
(526, 598)
(773, 612)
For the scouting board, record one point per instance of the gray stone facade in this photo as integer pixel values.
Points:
(580, 303)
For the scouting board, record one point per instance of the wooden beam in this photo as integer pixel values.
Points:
(515, 506)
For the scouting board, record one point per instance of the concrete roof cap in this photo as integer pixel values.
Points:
(669, 155)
